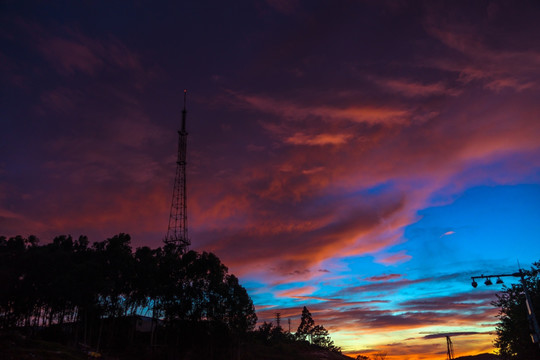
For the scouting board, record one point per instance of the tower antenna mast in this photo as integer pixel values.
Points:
(177, 232)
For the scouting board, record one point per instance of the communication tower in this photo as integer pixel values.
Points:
(177, 232)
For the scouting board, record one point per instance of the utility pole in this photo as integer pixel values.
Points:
(449, 349)
(177, 232)
(449, 345)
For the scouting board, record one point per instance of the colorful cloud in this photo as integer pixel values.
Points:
(362, 159)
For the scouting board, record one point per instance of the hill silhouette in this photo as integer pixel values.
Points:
(479, 357)
(67, 298)
(18, 347)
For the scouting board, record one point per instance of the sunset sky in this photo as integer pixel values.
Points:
(360, 158)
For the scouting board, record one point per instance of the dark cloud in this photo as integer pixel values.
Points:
(443, 335)
(380, 287)
(459, 302)
(384, 277)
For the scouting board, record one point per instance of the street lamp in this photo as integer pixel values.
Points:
(535, 337)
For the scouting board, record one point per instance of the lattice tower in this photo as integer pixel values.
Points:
(177, 231)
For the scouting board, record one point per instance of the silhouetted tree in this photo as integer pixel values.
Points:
(272, 334)
(315, 334)
(362, 357)
(96, 293)
(266, 331)
(239, 310)
(513, 330)
(320, 337)
(306, 325)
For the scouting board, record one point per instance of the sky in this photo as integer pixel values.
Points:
(360, 158)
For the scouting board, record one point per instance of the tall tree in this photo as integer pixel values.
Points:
(315, 334)
(306, 325)
(514, 328)
(239, 310)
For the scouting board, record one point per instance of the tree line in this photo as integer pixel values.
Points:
(307, 332)
(144, 303)
(97, 295)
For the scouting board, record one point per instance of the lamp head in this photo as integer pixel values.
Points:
(474, 284)
(488, 282)
(499, 281)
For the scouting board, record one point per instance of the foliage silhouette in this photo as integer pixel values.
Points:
(315, 334)
(100, 296)
(271, 339)
(513, 330)
(306, 325)
(148, 303)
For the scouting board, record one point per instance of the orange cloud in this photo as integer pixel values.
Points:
(409, 88)
(361, 114)
(296, 292)
(322, 139)
(384, 277)
(497, 68)
(394, 258)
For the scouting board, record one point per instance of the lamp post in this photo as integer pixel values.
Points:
(535, 336)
